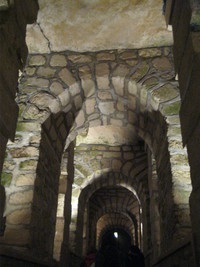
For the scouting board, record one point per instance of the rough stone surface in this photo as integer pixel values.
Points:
(77, 27)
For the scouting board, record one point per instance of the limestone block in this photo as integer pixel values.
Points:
(118, 84)
(21, 216)
(74, 89)
(36, 60)
(132, 88)
(25, 179)
(88, 87)
(56, 88)
(30, 71)
(85, 72)
(128, 55)
(90, 105)
(141, 71)
(151, 52)
(162, 64)
(46, 72)
(120, 106)
(41, 99)
(150, 82)
(79, 58)
(33, 113)
(102, 69)
(19, 198)
(102, 95)
(58, 61)
(107, 108)
(38, 82)
(80, 119)
(106, 56)
(64, 98)
(121, 70)
(67, 77)
(103, 83)
(78, 102)
(24, 152)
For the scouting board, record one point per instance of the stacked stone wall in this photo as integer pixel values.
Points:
(120, 89)
(14, 16)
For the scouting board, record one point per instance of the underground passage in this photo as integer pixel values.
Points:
(99, 133)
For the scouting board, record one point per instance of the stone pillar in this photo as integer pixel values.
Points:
(184, 16)
(65, 248)
(154, 216)
(2, 206)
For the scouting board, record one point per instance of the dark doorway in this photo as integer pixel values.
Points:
(118, 238)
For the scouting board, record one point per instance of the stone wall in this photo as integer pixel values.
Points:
(14, 16)
(61, 96)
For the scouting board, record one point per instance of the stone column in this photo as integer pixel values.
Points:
(154, 216)
(184, 16)
(65, 248)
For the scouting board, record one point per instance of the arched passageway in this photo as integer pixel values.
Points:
(118, 237)
(108, 138)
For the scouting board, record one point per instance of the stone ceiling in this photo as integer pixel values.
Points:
(92, 25)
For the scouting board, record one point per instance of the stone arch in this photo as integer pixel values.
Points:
(129, 228)
(110, 179)
(53, 136)
(141, 83)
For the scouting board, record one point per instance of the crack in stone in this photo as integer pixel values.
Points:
(42, 31)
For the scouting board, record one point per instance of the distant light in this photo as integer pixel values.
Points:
(116, 234)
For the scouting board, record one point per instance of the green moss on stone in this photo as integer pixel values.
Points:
(20, 127)
(141, 71)
(151, 82)
(28, 164)
(6, 179)
(172, 109)
(164, 93)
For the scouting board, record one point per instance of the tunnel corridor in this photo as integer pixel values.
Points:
(97, 156)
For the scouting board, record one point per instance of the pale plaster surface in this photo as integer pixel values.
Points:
(92, 25)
